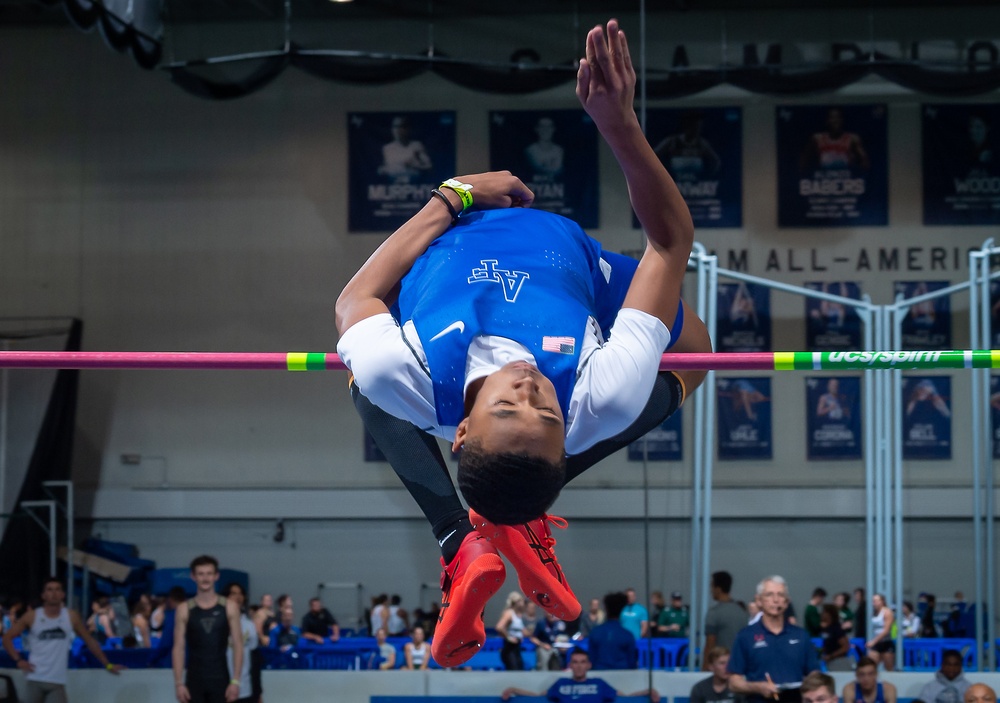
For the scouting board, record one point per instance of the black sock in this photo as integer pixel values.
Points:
(450, 537)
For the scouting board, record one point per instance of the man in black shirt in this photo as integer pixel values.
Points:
(715, 689)
(319, 623)
(202, 631)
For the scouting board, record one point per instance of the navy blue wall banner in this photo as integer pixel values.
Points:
(395, 159)
(961, 164)
(833, 405)
(744, 412)
(702, 148)
(927, 325)
(833, 326)
(927, 417)
(744, 321)
(663, 443)
(555, 153)
(995, 413)
(833, 166)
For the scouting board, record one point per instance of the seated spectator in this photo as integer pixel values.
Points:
(141, 611)
(673, 621)
(818, 687)
(101, 620)
(909, 621)
(949, 684)
(980, 693)
(165, 645)
(284, 635)
(417, 652)
(611, 645)
(716, 687)
(810, 618)
(319, 624)
(866, 688)
(843, 600)
(579, 687)
(593, 617)
(386, 651)
(399, 620)
(547, 632)
(835, 643)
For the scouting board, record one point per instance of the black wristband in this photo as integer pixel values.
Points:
(447, 203)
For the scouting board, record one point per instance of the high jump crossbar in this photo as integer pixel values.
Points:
(321, 361)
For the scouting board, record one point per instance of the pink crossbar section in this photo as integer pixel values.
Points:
(278, 361)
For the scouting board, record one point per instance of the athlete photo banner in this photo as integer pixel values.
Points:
(702, 148)
(833, 326)
(555, 153)
(744, 319)
(833, 405)
(927, 417)
(961, 165)
(744, 413)
(663, 443)
(833, 166)
(927, 325)
(995, 413)
(395, 159)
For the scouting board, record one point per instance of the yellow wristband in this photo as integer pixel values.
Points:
(234, 682)
(109, 666)
(464, 191)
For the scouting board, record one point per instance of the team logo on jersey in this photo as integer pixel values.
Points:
(510, 281)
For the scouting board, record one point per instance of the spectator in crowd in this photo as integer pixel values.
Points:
(673, 621)
(835, 647)
(772, 655)
(843, 602)
(545, 636)
(530, 617)
(101, 621)
(949, 684)
(860, 613)
(715, 689)
(882, 647)
(265, 619)
(51, 628)
(818, 687)
(165, 645)
(284, 635)
(141, 610)
(319, 624)
(398, 623)
(386, 652)
(249, 675)
(725, 618)
(810, 618)
(866, 688)
(635, 617)
(15, 609)
(980, 693)
(754, 611)
(928, 605)
(417, 652)
(657, 605)
(593, 617)
(427, 619)
(955, 624)
(379, 616)
(579, 687)
(511, 628)
(611, 645)
(909, 621)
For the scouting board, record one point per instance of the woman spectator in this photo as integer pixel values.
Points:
(417, 652)
(141, 611)
(101, 620)
(386, 656)
(511, 628)
(881, 647)
(835, 643)
(909, 621)
(249, 675)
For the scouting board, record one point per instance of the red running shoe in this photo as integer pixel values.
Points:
(472, 577)
(530, 549)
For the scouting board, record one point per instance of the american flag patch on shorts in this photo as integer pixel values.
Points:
(559, 345)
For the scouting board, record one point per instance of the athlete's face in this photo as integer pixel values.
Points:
(205, 576)
(835, 121)
(53, 593)
(516, 410)
(579, 664)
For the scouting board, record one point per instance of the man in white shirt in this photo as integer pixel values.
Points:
(521, 342)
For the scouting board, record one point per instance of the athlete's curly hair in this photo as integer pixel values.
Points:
(508, 488)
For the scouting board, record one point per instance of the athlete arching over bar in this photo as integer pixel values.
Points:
(518, 339)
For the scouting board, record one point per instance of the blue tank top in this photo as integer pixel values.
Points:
(860, 698)
(521, 274)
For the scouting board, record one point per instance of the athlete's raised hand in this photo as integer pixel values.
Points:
(605, 82)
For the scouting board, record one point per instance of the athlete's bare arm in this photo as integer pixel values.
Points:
(236, 639)
(177, 659)
(20, 625)
(375, 285)
(606, 89)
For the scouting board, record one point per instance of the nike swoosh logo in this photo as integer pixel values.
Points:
(793, 641)
(460, 326)
(446, 538)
